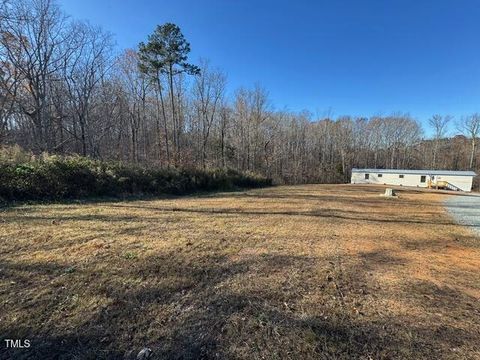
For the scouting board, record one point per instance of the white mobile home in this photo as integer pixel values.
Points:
(440, 179)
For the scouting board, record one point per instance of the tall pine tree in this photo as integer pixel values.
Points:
(166, 53)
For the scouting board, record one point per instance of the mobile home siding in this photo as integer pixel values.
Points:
(358, 177)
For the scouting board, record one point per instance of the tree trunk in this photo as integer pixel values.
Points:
(222, 145)
(164, 120)
(83, 138)
(472, 155)
(435, 149)
(174, 121)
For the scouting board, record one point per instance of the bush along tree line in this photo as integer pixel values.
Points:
(65, 90)
(27, 177)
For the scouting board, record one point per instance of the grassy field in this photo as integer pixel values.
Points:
(301, 272)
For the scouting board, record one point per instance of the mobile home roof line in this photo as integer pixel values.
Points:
(415, 172)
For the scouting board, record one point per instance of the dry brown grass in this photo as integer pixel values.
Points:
(316, 271)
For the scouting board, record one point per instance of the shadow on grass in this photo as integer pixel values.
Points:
(206, 307)
(4, 205)
(323, 213)
(427, 218)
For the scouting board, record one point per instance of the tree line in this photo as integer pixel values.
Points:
(63, 90)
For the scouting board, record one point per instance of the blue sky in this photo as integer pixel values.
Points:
(356, 57)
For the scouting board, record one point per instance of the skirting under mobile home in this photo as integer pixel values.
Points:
(444, 179)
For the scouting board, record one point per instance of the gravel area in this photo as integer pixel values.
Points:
(465, 210)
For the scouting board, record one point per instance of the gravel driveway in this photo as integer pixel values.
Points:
(465, 210)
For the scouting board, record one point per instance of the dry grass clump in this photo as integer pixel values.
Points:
(299, 272)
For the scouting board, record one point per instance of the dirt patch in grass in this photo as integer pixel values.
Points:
(315, 271)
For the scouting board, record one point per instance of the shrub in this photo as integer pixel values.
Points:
(26, 177)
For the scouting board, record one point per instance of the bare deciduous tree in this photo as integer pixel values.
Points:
(470, 126)
(439, 124)
(63, 91)
(208, 90)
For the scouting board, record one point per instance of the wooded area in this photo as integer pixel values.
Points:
(64, 90)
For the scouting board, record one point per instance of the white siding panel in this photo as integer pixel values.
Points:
(388, 179)
(462, 182)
